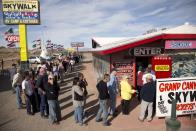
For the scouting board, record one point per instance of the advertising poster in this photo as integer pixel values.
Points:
(21, 11)
(125, 68)
(181, 89)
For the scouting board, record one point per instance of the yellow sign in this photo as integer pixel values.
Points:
(70, 49)
(23, 43)
(20, 6)
(162, 67)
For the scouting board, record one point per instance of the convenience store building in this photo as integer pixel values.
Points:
(172, 53)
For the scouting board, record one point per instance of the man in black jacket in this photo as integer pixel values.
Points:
(103, 100)
(147, 96)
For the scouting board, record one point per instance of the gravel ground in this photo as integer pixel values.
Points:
(12, 119)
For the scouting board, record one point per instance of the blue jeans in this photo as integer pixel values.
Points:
(43, 105)
(54, 110)
(103, 111)
(112, 104)
(30, 103)
(78, 114)
(18, 97)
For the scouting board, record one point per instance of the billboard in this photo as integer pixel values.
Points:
(77, 44)
(181, 89)
(21, 11)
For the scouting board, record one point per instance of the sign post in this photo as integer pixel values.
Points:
(77, 44)
(23, 47)
(22, 13)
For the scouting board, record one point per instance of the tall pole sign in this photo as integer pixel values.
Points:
(22, 13)
(77, 44)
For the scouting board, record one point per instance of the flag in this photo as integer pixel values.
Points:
(7, 33)
(37, 44)
(38, 40)
(10, 30)
(54, 46)
(34, 45)
(49, 44)
(10, 45)
(60, 47)
(48, 41)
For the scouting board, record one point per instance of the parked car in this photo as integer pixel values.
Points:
(34, 59)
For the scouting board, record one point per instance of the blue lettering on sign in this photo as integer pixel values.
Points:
(181, 44)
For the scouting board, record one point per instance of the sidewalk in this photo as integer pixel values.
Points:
(12, 119)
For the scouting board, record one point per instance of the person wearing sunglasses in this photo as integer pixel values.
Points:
(52, 93)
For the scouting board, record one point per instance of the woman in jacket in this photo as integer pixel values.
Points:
(52, 92)
(126, 94)
(78, 101)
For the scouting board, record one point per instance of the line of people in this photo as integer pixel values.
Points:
(108, 90)
(41, 92)
(38, 90)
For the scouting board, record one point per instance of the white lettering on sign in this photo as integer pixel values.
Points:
(179, 44)
(13, 38)
(147, 51)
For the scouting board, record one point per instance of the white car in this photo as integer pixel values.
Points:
(34, 59)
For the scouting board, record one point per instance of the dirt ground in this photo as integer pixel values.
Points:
(12, 119)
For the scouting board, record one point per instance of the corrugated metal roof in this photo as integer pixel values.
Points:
(183, 29)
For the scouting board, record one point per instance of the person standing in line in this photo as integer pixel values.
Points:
(103, 100)
(52, 92)
(17, 83)
(61, 71)
(126, 94)
(150, 69)
(147, 96)
(83, 84)
(65, 64)
(113, 91)
(13, 71)
(71, 64)
(55, 71)
(146, 73)
(140, 74)
(36, 99)
(78, 101)
(41, 83)
(28, 91)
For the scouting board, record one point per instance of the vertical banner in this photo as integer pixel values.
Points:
(181, 89)
(23, 42)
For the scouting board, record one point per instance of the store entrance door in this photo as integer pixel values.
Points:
(143, 61)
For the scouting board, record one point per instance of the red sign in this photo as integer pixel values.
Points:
(162, 65)
(180, 44)
(13, 38)
(77, 44)
(125, 68)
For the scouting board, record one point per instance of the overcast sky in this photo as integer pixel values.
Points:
(66, 21)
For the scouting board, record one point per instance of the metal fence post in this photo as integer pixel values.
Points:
(172, 124)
